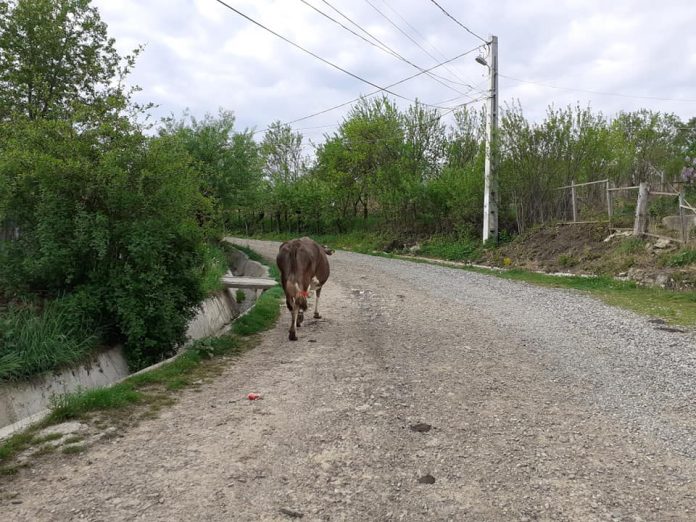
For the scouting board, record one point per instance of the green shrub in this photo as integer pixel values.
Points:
(113, 217)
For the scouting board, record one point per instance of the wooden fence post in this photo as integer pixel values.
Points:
(682, 221)
(573, 197)
(610, 210)
(640, 225)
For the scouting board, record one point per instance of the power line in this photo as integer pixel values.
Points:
(338, 67)
(379, 45)
(603, 93)
(432, 45)
(374, 92)
(458, 22)
(387, 48)
(402, 31)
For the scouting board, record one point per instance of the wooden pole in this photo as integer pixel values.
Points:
(640, 225)
(610, 210)
(573, 197)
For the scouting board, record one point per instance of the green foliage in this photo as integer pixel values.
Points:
(227, 162)
(58, 62)
(567, 261)
(110, 215)
(76, 405)
(34, 341)
(683, 258)
(263, 315)
(240, 296)
(631, 245)
(450, 249)
(215, 266)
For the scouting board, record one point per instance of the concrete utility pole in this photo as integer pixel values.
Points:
(490, 194)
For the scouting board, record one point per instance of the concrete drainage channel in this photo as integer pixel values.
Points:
(26, 402)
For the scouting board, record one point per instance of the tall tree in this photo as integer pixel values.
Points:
(57, 60)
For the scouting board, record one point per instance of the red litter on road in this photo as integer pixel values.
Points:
(254, 397)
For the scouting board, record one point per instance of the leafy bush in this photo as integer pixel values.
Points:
(110, 215)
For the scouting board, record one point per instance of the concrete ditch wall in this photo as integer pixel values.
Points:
(25, 399)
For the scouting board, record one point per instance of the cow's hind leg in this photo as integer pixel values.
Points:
(316, 304)
(293, 331)
(300, 318)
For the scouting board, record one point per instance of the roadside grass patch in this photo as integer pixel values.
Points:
(263, 316)
(450, 249)
(46, 438)
(33, 341)
(683, 258)
(76, 405)
(631, 245)
(215, 267)
(75, 448)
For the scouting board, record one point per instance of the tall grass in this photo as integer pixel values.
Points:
(215, 267)
(34, 341)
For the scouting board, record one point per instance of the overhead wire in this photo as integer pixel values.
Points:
(391, 22)
(458, 22)
(324, 60)
(377, 42)
(603, 93)
(432, 45)
(324, 111)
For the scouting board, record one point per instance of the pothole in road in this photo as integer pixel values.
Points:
(427, 479)
(421, 427)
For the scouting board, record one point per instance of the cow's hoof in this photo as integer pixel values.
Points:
(292, 336)
(317, 316)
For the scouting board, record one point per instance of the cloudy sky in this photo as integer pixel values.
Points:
(613, 55)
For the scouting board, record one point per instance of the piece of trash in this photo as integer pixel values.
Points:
(427, 479)
(291, 513)
(421, 427)
(254, 397)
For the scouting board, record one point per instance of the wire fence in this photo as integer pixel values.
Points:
(659, 210)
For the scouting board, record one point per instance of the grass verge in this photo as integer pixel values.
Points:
(150, 390)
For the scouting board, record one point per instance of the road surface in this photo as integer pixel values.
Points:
(424, 393)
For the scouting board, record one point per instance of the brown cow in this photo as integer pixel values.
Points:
(303, 265)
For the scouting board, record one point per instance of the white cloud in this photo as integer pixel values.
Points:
(203, 56)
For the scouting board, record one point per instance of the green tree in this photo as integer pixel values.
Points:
(229, 162)
(57, 61)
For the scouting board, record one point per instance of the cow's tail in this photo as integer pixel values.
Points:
(292, 286)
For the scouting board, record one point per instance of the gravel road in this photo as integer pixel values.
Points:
(424, 393)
